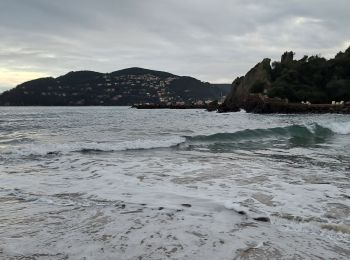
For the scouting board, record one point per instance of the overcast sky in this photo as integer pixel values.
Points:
(212, 40)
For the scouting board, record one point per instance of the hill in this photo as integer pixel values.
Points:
(119, 88)
(312, 79)
(225, 88)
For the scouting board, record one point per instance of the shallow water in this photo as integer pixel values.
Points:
(120, 183)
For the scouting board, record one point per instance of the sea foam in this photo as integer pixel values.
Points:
(342, 128)
(64, 148)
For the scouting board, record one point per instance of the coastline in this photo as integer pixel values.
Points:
(257, 103)
(209, 107)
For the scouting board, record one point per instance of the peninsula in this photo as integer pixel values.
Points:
(309, 85)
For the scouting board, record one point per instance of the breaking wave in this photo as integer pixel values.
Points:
(52, 150)
(342, 128)
(128, 145)
(299, 134)
(311, 131)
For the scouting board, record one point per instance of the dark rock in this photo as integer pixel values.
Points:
(257, 103)
(287, 85)
(241, 87)
(53, 153)
(213, 106)
(262, 219)
(169, 106)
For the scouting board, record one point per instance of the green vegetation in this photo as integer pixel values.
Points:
(258, 87)
(120, 88)
(313, 79)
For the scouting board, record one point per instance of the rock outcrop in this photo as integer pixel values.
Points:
(309, 85)
(260, 104)
(242, 86)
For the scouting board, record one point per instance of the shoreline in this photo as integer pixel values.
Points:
(258, 104)
(164, 106)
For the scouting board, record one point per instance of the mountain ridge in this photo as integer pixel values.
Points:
(122, 87)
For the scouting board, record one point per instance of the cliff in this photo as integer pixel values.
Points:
(257, 77)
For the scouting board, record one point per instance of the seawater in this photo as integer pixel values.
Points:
(121, 183)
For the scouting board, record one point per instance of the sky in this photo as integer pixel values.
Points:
(212, 40)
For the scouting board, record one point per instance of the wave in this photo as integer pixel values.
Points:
(303, 134)
(14, 141)
(127, 145)
(292, 131)
(342, 128)
(54, 150)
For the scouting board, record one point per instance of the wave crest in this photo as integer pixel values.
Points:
(304, 134)
(54, 150)
(342, 128)
(307, 132)
(128, 145)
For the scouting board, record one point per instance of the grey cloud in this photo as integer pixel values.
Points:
(211, 40)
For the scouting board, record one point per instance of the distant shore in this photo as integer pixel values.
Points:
(208, 107)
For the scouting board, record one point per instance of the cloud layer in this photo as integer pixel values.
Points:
(212, 40)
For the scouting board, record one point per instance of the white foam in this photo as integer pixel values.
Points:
(217, 185)
(234, 206)
(138, 144)
(45, 201)
(342, 128)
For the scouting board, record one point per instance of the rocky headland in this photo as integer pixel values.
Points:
(309, 85)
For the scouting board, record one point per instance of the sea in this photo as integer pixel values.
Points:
(122, 183)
